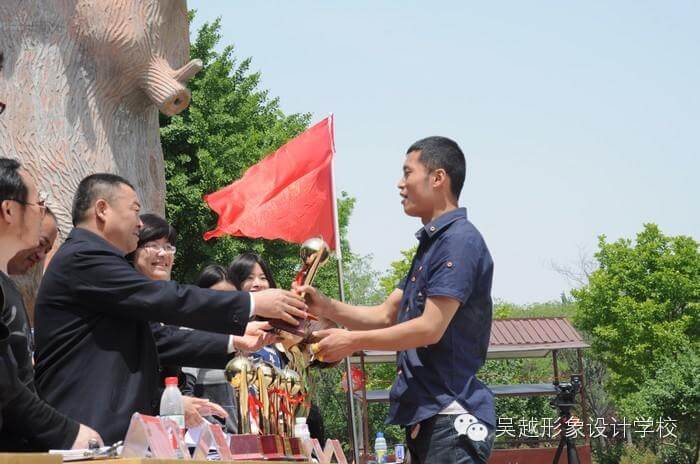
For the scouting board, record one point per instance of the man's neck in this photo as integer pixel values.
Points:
(6, 254)
(91, 228)
(439, 211)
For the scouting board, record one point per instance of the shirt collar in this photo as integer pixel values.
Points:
(440, 223)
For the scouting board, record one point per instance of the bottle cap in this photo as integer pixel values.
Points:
(170, 381)
(380, 435)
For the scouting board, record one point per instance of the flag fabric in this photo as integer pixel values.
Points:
(288, 195)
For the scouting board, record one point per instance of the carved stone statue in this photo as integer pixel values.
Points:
(83, 81)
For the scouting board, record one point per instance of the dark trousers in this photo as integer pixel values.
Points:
(438, 442)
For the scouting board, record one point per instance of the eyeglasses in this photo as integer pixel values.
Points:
(155, 248)
(41, 203)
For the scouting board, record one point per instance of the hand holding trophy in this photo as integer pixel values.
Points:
(298, 340)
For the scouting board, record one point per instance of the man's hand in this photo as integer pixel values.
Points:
(195, 408)
(85, 434)
(251, 343)
(257, 328)
(335, 345)
(319, 304)
(275, 303)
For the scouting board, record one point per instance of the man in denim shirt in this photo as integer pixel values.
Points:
(438, 319)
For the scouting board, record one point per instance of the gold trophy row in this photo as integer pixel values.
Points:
(269, 399)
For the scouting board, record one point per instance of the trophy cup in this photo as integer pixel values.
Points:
(297, 341)
(314, 253)
(272, 446)
(241, 373)
(266, 376)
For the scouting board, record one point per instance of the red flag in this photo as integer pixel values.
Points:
(288, 195)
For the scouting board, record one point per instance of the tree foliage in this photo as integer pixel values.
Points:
(641, 308)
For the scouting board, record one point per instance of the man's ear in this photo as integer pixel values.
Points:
(101, 207)
(7, 211)
(439, 178)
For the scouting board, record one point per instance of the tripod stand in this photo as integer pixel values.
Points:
(564, 401)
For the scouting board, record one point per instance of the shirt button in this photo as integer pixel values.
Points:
(449, 264)
(413, 279)
(420, 268)
(432, 228)
(420, 293)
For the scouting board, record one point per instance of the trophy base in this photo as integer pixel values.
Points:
(297, 450)
(272, 447)
(246, 447)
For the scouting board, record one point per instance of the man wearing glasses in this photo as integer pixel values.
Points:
(34, 424)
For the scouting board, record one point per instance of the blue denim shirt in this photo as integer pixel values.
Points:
(452, 260)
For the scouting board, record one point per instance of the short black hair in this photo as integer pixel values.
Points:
(211, 275)
(442, 153)
(92, 187)
(241, 267)
(155, 228)
(12, 186)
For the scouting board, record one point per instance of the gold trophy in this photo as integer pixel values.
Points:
(296, 341)
(266, 377)
(292, 382)
(314, 253)
(241, 373)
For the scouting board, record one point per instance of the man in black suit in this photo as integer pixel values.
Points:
(30, 423)
(96, 359)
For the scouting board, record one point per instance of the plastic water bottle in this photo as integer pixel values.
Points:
(171, 405)
(301, 430)
(400, 452)
(380, 448)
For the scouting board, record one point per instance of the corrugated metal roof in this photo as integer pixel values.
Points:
(515, 338)
(534, 333)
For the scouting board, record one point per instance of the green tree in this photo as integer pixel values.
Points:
(398, 270)
(641, 308)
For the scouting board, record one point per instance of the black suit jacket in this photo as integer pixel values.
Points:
(184, 347)
(96, 359)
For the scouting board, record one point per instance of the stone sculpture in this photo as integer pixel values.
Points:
(83, 81)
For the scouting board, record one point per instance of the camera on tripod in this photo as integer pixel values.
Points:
(566, 392)
(564, 401)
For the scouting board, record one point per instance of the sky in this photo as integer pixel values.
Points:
(577, 118)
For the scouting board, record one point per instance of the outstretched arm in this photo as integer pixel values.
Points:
(353, 317)
(424, 330)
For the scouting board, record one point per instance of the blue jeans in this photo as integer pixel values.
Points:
(438, 442)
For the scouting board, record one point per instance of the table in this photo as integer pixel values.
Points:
(38, 458)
